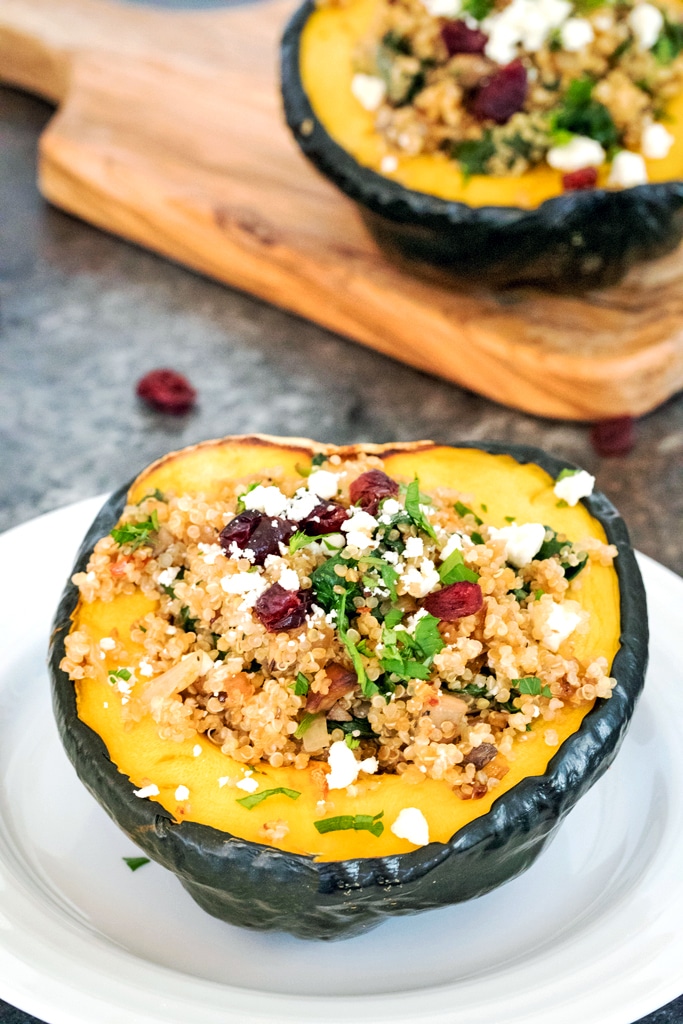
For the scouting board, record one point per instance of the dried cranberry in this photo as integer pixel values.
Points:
(503, 95)
(166, 391)
(461, 39)
(370, 488)
(614, 437)
(239, 530)
(257, 532)
(280, 609)
(454, 601)
(576, 181)
(327, 517)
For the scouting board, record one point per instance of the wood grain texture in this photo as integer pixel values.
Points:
(169, 132)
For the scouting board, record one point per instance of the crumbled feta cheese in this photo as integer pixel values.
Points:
(418, 582)
(604, 22)
(388, 164)
(150, 790)
(576, 34)
(368, 90)
(196, 750)
(182, 793)
(525, 22)
(210, 552)
(166, 576)
(522, 541)
(414, 548)
(656, 141)
(107, 643)
(301, 505)
(572, 488)
(106, 704)
(171, 631)
(248, 784)
(575, 155)
(454, 543)
(269, 500)
(288, 579)
(323, 483)
(628, 169)
(561, 622)
(344, 766)
(412, 622)
(145, 668)
(646, 22)
(235, 551)
(359, 529)
(391, 507)
(391, 557)
(223, 781)
(443, 8)
(412, 825)
(249, 584)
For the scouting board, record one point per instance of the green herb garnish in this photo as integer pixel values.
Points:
(136, 862)
(579, 114)
(474, 155)
(454, 570)
(531, 685)
(410, 656)
(305, 724)
(478, 9)
(412, 503)
(670, 42)
(351, 741)
(477, 538)
(301, 540)
(300, 685)
(157, 495)
(136, 534)
(464, 510)
(564, 473)
(119, 673)
(254, 799)
(359, 822)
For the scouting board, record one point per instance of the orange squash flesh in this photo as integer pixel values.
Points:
(497, 481)
(327, 45)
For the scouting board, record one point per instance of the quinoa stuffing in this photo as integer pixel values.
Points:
(501, 86)
(344, 618)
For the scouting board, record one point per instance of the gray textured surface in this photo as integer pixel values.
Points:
(83, 316)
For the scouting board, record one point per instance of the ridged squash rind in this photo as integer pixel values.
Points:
(257, 886)
(573, 242)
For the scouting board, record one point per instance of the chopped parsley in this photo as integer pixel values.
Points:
(254, 799)
(564, 473)
(476, 538)
(240, 503)
(464, 510)
(670, 42)
(185, 622)
(474, 155)
(412, 503)
(531, 685)
(136, 862)
(318, 459)
(300, 685)
(385, 571)
(136, 534)
(359, 725)
(478, 9)
(410, 655)
(305, 724)
(351, 741)
(454, 570)
(359, 822)
(579, 114)
(156, 494)
(509, 519)
(561, 504)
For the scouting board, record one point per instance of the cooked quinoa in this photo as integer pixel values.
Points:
(344, 617)
(504, 85)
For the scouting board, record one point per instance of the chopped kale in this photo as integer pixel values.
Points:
(670, 42)
(474, 155)
(579, 114)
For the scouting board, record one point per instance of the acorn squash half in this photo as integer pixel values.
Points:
(493, 231)
(342, 883)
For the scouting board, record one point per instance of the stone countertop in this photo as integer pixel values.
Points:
(84, 315)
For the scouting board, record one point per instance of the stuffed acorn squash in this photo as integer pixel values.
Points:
(498, 140)
(326, 685)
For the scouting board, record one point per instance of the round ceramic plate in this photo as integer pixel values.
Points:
(592, 932)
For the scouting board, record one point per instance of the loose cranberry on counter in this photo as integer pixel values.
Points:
(280, 609)
(327, 517)
(370, 488)
(256, 532)
(458, 38)
(575, 181)
(166, 391)
(503, 95)
(454, 601)
(614, 437)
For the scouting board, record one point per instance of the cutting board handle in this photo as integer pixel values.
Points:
(41, 39)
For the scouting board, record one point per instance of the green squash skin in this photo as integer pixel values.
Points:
(256, 886)
(573, 242)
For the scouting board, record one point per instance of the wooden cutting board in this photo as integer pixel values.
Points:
(169, 132)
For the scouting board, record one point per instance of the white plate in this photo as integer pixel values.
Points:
(592, 933)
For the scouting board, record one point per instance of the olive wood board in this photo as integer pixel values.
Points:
(169, 132)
